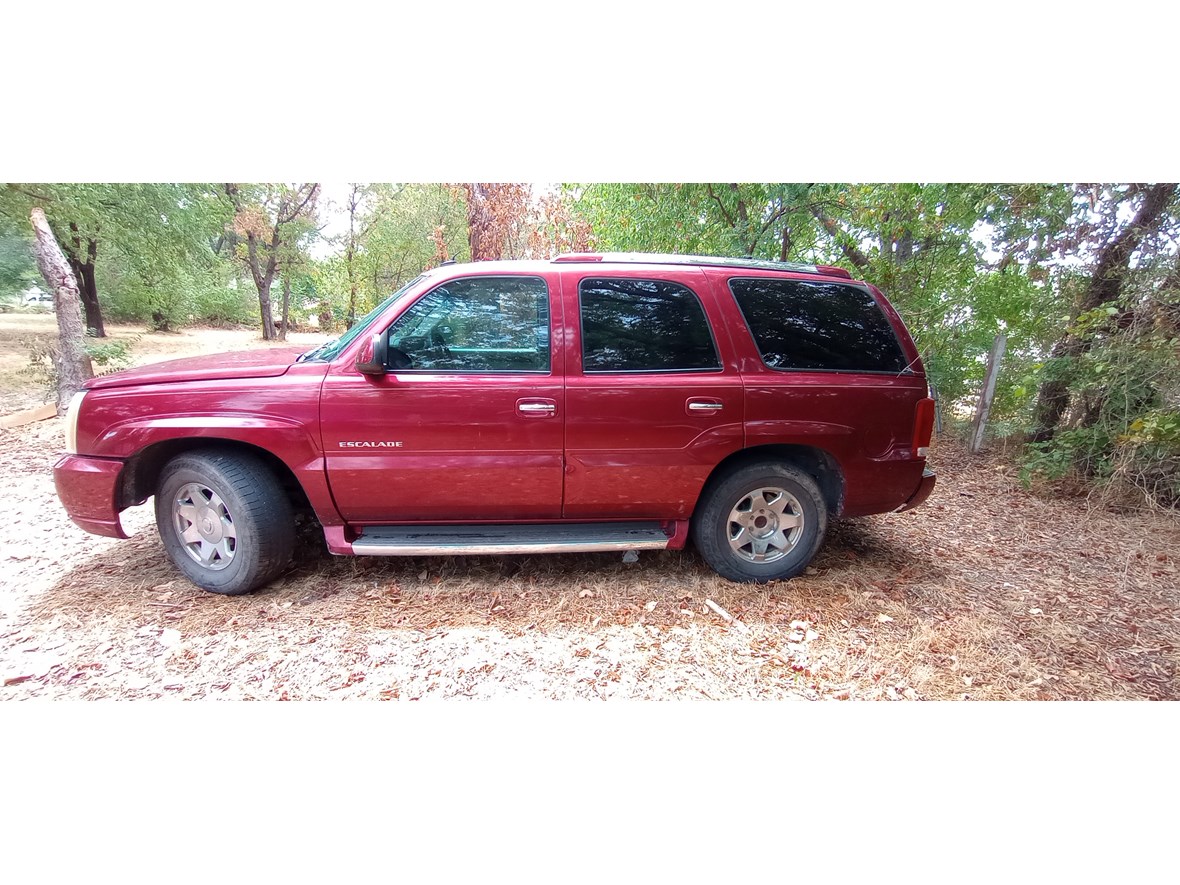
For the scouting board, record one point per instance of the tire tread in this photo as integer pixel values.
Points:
(262, 506)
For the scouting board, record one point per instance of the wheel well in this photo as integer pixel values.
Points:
(141, 475)
(817, 463)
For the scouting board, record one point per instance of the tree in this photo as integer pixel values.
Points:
(150, 237)
(270, 222)
(495, 219)
(1110, 269)
(70, 361)
(359, 225)
(408, 227)
(17, 267)
(759, 220)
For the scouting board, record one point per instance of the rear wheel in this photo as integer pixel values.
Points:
(762, 522)
(225, 521)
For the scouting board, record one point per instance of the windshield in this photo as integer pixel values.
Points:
(329, 350)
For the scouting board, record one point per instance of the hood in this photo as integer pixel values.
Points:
(240, 364)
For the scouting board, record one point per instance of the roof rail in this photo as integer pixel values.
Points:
(706, 260)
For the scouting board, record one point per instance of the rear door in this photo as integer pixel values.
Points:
(653, 396)
(467, 424)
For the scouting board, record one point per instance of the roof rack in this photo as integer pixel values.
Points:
(706, 260)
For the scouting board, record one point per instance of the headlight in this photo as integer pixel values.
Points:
(72, 422)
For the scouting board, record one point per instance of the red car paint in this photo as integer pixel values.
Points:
(459, 448)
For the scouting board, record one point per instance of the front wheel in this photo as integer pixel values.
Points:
(763, 522)
(225, 521)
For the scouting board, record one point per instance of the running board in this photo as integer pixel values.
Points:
(445, 540)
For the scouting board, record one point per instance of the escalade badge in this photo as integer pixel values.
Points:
(369, 444)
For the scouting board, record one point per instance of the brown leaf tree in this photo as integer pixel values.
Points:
(268, 223)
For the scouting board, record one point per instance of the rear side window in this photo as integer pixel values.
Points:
(643, 326)
(824, 326)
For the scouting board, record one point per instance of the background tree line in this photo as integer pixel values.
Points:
(1082, 278)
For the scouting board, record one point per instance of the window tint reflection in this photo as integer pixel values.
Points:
(827, 326)
(643, 326)
(479, 324)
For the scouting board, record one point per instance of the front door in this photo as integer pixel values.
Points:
(468, 423)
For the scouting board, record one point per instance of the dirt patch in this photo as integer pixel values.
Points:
(19, 390)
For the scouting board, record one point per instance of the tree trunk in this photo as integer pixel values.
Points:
(480, 225)
(348, 257)
(1105, 285)
(268, 321)
(851, 252)
(70, 359)
(263, 280)
(905, 247)
(88, 290)
(286, 307)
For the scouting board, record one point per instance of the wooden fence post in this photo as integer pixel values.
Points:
(979, 426)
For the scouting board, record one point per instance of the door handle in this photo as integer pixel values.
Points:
(536, 408)
(698, 406)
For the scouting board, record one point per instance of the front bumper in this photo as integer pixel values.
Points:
(87, 488)
(925, 487)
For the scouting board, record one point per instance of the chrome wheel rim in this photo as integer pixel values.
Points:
(765, 525)
(205, 526)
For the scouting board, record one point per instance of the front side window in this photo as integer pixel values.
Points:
(475, 324)
(819, 326)
(643, 326)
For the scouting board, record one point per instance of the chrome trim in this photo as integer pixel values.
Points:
(375, 548)
(443, 540)
(705, 407)
(537, 407)
(601, 258)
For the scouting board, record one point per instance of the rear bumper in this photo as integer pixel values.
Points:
(925, 487)
(86, 488)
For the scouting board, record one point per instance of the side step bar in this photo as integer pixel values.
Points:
(445, 540)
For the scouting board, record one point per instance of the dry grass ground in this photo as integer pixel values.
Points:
(986, 592)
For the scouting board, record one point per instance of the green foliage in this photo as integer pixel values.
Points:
(153, 243)
(921, 243)
(109, 354)
(400, 242)
(1124, 425)
(706, 219)
(17, 268)
(1081, 452)
(40, 369)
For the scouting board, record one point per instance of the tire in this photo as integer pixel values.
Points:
(763, 522)
(225, 521)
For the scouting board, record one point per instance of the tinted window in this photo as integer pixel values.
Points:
(643, 326)
(479, 324)
(804, 325)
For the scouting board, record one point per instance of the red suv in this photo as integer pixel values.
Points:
(592, 402)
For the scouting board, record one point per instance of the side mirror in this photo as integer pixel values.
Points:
(371, 359)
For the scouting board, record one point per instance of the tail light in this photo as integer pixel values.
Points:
(923, 426)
